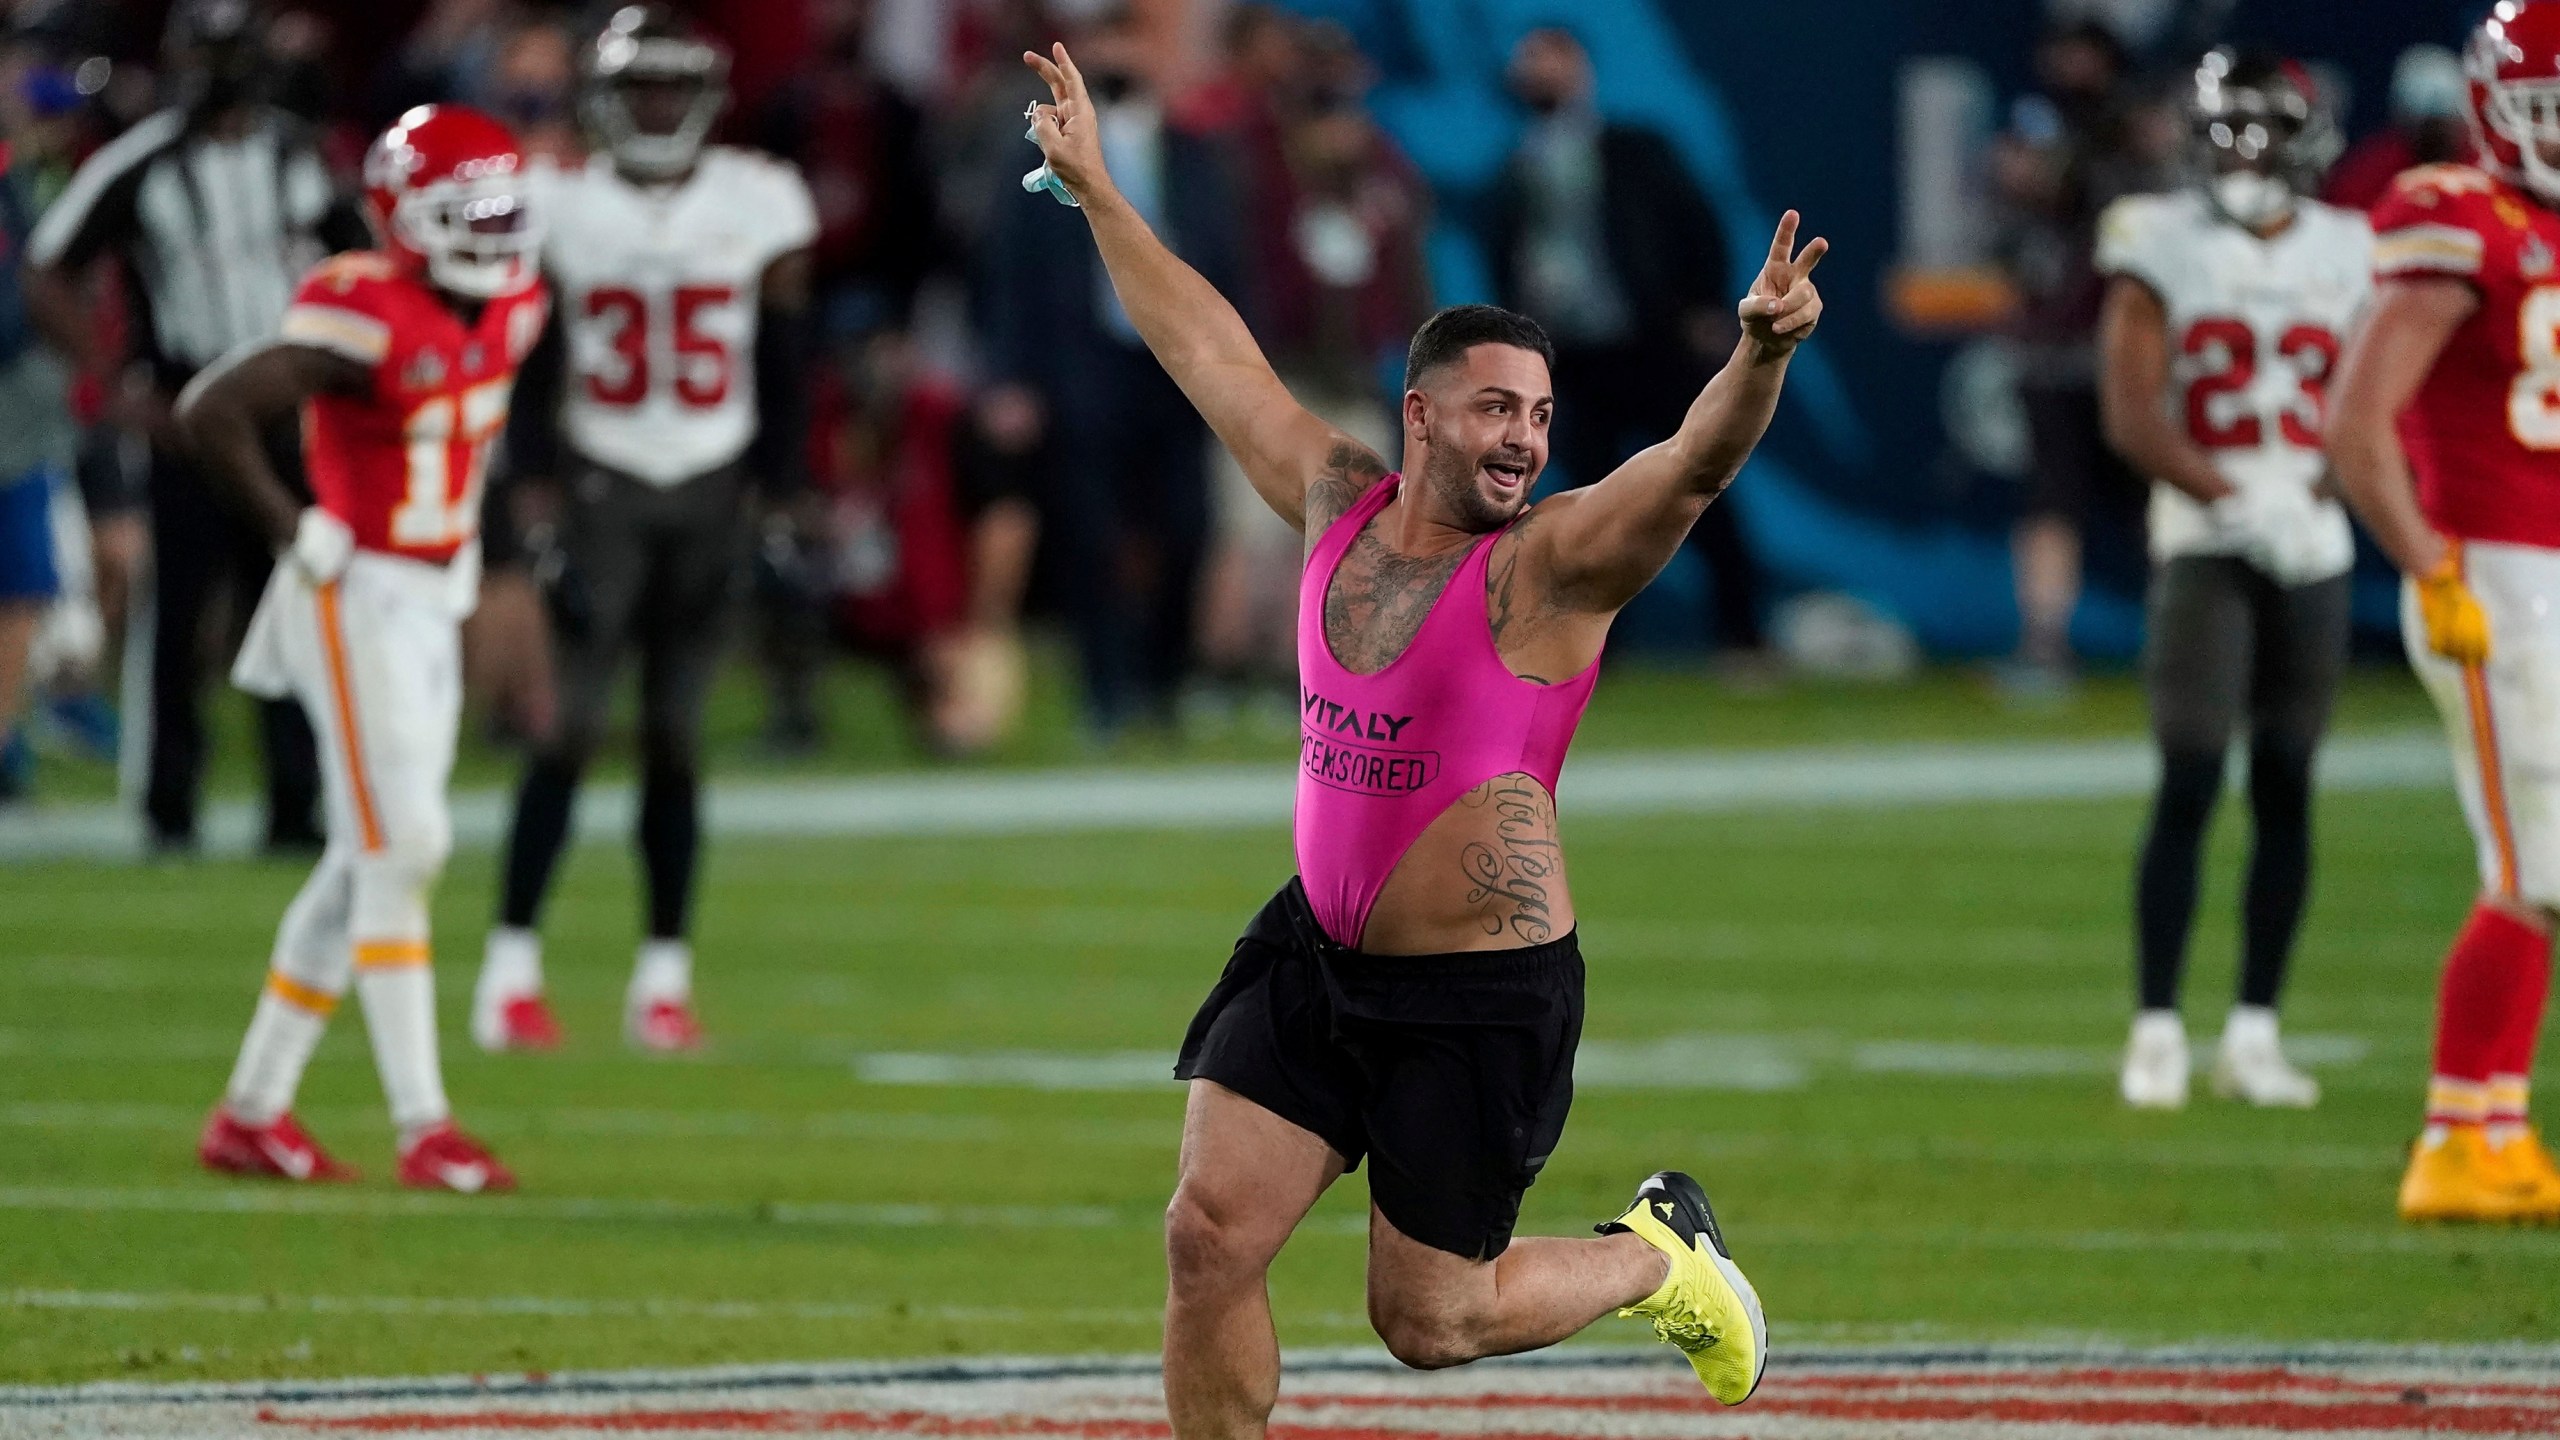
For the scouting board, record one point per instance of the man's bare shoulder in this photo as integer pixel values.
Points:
(1349, 469)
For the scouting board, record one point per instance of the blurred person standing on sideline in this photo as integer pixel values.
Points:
(213, 207)
(36, 438)
(1604, 240)
(2070, 153)
(1124, 497)
(2430, 125)
(859, 143)
(671, 386)
(2225, 307)
(1336, 217)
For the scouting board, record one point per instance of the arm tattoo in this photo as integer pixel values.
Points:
(1350, 468)
(1514, 872)
(1507, 601)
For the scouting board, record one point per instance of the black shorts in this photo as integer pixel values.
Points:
(651, 568)
(1452, 1073)
(2229, 644)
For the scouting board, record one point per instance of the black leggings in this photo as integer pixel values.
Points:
(651, 569)
(2224, 639)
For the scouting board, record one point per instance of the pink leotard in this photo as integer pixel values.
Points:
(1380, 756)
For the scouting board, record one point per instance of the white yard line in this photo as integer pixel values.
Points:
(329, 1201)
(996, 802)
(1746, 1062)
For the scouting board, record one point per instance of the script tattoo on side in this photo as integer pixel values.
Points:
(1509, 879)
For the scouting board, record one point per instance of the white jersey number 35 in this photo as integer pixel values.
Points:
(619, 372)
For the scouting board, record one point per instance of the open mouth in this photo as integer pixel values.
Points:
(1505, 474)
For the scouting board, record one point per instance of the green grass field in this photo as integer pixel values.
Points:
(1884, 1037)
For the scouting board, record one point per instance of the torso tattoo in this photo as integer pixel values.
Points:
(1378, 600)
(1514, 876)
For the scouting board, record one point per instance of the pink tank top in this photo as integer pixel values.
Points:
(1380, 756)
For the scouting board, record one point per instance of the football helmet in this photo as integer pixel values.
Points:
(650, 91)
(445, 189)
(2263, 134)
(2513, 64)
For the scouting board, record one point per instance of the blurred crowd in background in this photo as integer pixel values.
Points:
(992, 440)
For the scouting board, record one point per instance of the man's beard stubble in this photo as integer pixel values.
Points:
(1453, 482)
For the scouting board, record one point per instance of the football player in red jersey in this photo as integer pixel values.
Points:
(400, 360)
(2445, 434)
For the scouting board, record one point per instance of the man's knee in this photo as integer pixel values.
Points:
(1424, 1334)
(409, 858)
(1210, 1245)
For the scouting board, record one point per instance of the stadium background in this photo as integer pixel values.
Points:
(1890, 920)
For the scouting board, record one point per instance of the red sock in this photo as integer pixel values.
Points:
(2497, 963)
(2511, 1059)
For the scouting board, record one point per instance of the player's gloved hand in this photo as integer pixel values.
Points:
(322, 545)
(2457, 628)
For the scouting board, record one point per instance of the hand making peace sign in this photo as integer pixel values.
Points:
(1783, 307)
(1069, 137)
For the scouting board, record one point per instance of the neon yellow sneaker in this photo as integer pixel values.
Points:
(1705, 1308)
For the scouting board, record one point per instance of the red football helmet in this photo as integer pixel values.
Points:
(2513, 62)
(445, 186)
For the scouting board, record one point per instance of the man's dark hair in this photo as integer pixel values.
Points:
(1446, 338)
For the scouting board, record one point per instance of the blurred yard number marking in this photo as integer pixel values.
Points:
(435, 512)
(2533, 404)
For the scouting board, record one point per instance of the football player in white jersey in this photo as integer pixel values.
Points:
(2226, 305)
(676, 384)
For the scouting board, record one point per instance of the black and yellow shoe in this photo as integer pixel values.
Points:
(1705, 1308)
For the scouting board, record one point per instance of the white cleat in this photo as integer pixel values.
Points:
(2250, 1065)
(2155, 1062)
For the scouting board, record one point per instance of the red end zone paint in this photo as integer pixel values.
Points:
(2276, 1401)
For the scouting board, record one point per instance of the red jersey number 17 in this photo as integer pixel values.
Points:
(448, 434)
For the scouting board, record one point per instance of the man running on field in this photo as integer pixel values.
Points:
(1415, 996)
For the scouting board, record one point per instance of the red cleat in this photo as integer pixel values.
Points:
(524, 1022)
(444, 1158)
(279, 1150)
(666, 1026)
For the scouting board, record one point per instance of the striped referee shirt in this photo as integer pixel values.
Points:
(214, 233)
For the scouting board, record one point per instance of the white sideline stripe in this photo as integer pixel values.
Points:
(275, 1199)
(1753, 1063)
(1024, 802)
(1742, 1061)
